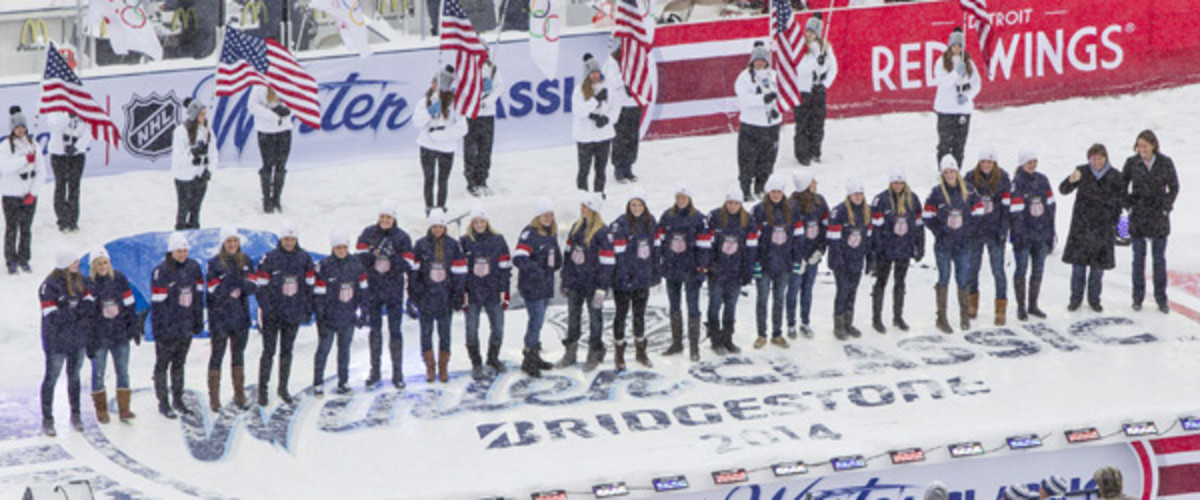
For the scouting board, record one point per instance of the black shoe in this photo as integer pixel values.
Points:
(631, 178)
(877, 324)
(76, 422)
(285, 397)
(1096, 306)
(1164, 308)
(25, 268)
(319, 391)
(372, 381)
(183, 409)
(898, 322)
(1137, 306)
(804, 162)
(12, 268)
(1072, 307)
(398, 384)
(166, 411)
(48, 427)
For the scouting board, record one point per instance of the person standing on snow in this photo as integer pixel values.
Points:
(69, 141)
(586, 276)
(759, 119)
(636, 248)
(436, 285)
(64, 335)
(538, 257)
(1152, 189)
(899, 238)
(386, 252)
(273, 120)
(481, 132)
(340, 305)
(114, 322)
(989, 230)
(592, 125)
(849, 233)
(958, 83)
(22, 172)
(816, 72)
(730, 267)
(1031, 216)
(176, 314)
(812, 212)
(950, 210)
(629, 121)
(489, 275)
(231, 281)
(778, 226)
(441, 128)
(285, 294)
(193, 156)
(1090, 244)
(683, 234)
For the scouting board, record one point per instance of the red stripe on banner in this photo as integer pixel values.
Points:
(1178, 480)
(1139, 449)
(720, 73)
(1181, 444)
(710, 31)
(717, 123)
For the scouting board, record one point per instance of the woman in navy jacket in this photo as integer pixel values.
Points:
(64, 335)
(340, 304)
(683, 235)
(899, 238)
(113, 323)
(1152, 189)
(437, 286)
(730, 267)
(489, 272)
(989, 230)
(285, 285)
(386, 253)
(1031, 212)
(538, 257)
(949, 212)
(586, 276)
(778, 224)
(176, 314)
(812, 214)
(231, 281)
(636, 247)
(849, 235)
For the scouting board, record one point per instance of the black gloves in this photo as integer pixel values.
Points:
(281, 110)
(600, 119)
(602, 95)
(200, 148)
(769, 98)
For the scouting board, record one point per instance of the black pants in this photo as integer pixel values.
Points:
(592, 155)
(477, 150)
(170, 353)
(625, 144)
(636, 298)
(18, 229)
(431, 162)
(757, 150)
(810, 126)
(275, 331)
(883, 268)
(952, 136)
(68, 170)
(236, 339)
(274, 148)
(189, 196)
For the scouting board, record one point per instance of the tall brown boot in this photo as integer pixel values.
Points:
(676, 346)
(123, 404)
(619, 356)
(443, 360)
(973, 305)
(239, 387)
(100, 399)
(214, 390)
(964, 310)
(1019, 291)
(1035, 289)
(1001, 312)
(942, 323)
(641, 357)
(430, 367)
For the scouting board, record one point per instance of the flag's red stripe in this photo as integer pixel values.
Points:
(1179, 444)
(1178, 480)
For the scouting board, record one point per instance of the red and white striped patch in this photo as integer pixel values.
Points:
(459, 266)
(158, 294)
(48, 306)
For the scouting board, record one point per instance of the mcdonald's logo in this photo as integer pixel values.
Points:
(255, 13)
(34, 35)
(184, 19)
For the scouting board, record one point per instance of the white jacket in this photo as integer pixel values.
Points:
(439, 133)
(948, 85)
(62, 125)
(487, 105)
(617, 90)
(14, 162)
(750, 94)
(808, 69)
(265, 119)
(181, 153)
(583, 129)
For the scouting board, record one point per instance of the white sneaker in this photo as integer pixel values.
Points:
(319, 390)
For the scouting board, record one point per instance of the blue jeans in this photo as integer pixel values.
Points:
(847, 290)
(995, 250)
(1022, 255)
(1158, 252)
(495, 315)
(800, 286)
(120, 357)
(576, 301)
(1094, 278)
(722, 295)
(536, 310)
(773, 287)
(325, 337)
(375, 311)
(443, 330)
(54, 365)
(961, 261)
(692, 288)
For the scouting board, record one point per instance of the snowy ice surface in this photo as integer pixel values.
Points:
(432, 442)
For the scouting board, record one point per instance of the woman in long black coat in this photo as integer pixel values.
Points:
(1153, 187)
(1093, 224)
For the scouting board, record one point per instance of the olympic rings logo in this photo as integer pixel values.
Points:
(551, 23)
(352, 8)
(141, 22)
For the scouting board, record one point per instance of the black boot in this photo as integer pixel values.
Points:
(264, 179)
(727, 336)
(676, 335)
(48, 426)
(568, 358)
(1035, 289)
(180, 406)
(476, 361)
(529, 363)
(493, 358)
(619, 355)
(898, 308)
(716, 338)
(839, 326)
(694, 338)
(542, 364)
(877, 311)
(285, 371)
(1019, 291)
(848, 324)
(277, 191)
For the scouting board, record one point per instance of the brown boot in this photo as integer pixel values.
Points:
(214, 390)
(443, 360)
(1001, 311)
(430, 367)
(942, 323)
(973, 305)
(964, 310)
(640, 347)
(239, 387)
(100, 399)
(123, 404)
(619, 356)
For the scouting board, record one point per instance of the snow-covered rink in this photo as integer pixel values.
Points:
(511, 435)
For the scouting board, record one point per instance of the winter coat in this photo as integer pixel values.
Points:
(112, 318)
(64, 130)
(993, 223)
(489, 101)
(849, 236)
(617, 90)
(1152, 192)
(538, 257)
(589, 264)
(636, 247)
(385, 272)
(177, 299)
(583, 128)
(1031, 211)
(950, 84)
(285, 284)
(950, 219)
(813, 226)
(266, 120)
(437, 284)
(442, 133)
(778, 245)
(897, 237)
(1094, 217)
(230, 286)
(732, 254)
(340, 291)
(65, 319)
(684, 241)
(816, 68)
(750, 88)
(489, 267)
(183, 166)
(14, 163)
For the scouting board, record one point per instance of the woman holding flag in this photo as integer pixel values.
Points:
(817, 70)
(441, 129)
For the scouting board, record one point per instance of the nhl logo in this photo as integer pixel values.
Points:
(149, 124)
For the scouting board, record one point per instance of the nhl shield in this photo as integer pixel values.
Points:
(149, 124)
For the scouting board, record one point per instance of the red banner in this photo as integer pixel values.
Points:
(1047, 50)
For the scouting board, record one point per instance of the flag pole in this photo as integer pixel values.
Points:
(499, 30)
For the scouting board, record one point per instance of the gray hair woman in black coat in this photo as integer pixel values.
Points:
(1093, 224)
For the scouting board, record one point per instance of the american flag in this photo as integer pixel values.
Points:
(62, 91)
(247, 60)
(987, 39)
(786, 53)
(633, 29)
(458, 36)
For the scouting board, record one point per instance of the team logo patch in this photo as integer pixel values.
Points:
(149, 124)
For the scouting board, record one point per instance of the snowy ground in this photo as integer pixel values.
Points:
(421, 444)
